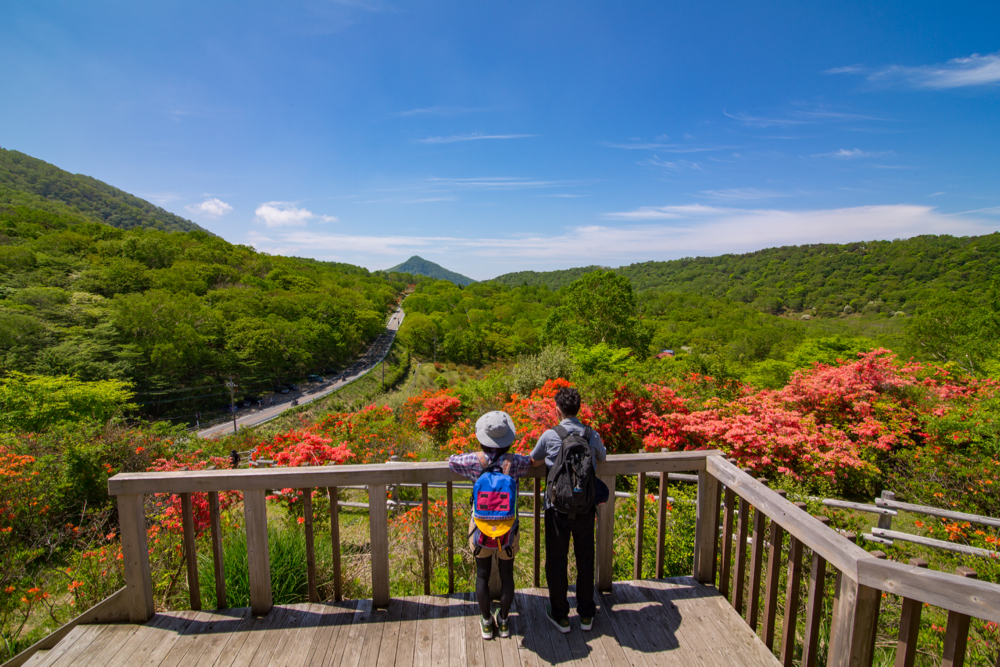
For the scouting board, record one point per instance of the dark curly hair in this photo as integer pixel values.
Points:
(568, 401)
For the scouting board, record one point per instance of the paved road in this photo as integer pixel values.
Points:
(368, 361)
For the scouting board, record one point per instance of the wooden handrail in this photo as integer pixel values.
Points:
(861, 576)
(832, 546)
(143, 483)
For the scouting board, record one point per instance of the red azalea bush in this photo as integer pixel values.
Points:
(171, 515)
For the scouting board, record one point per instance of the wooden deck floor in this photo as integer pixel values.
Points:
(642, 623)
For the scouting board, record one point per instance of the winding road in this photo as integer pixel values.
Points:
(367, 362)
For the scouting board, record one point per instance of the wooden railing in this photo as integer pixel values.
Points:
(861, 576)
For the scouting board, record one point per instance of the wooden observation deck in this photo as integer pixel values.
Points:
(749, 544)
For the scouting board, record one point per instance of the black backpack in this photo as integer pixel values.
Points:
(571, 484)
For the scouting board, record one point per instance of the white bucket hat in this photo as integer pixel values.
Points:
(496, 430)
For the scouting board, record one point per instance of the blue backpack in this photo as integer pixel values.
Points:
(494, 509)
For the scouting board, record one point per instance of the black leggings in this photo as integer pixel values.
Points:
(484, 567)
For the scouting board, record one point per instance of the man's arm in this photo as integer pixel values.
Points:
(539, 452)
(600, 451)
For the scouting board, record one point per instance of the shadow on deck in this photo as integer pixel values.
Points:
(644, 623)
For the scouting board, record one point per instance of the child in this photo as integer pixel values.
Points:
(495, 432)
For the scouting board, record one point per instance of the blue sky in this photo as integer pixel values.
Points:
(494, 137)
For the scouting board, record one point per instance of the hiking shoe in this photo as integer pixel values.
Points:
(486, 626)
(562, 624)
(586, 622)
(503, 628)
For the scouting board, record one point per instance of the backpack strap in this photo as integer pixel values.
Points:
(561, 431)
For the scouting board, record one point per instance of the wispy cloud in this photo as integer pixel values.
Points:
(665, 212)
(800, 116)
(213, 207)
(937, 194)
(672, 165)
(471, 137)
(427, 200)
(668, 148)
(850, 69)
(852, 153)
(679, 231)
(442, 111)
(493, 183)
(739, 194)
(761, 121)
(974, 70)
(286, 214)
(161, 198)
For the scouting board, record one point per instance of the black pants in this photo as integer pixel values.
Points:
(558, 529)
(484, 568)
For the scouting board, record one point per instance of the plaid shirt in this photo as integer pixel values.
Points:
(471, 465)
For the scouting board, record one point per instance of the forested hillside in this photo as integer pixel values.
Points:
(28, 181)
(418, 266)
(824, 279)
(172, 310)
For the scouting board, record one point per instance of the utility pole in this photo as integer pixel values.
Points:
(435, 349)
(232, 400)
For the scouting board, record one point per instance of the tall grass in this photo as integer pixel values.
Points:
(287, 548)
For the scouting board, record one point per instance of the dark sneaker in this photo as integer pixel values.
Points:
(503, 627)
(486, 626)
(562, 624)
(586, 622)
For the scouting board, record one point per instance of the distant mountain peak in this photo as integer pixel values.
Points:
(422, 267)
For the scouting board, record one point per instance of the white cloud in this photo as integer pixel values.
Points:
(286, 214)
(669, 148)
(850, 69)
(974, 70)
(493, 183)
(672, 165)
(675, 231)
(471, 137)
(852, 153)
(800, 117)
(739, 194)
(161, 198)
(441, 111)
(213, 207)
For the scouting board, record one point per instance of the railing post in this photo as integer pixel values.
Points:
(772, 581)
(190, 551)
(379, 537)
(215, 519)
(661, 524)
(705, 538)
(851, 627)
(135, 556)
(258, 556)
(606, 538)
(957, 634)
(640, 520)
(909, 626)
(756, 564)
(451, 540)
(335, 542)
(814, 609)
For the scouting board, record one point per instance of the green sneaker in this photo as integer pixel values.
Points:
(486, 626)
(502, 625)
(586, 622)
(562, 624)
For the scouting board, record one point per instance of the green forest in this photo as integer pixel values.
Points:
(40, 185)
(174, 314)
(823, 280)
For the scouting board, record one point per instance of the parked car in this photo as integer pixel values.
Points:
(315, 378)
(284, 389)
(250, 400)
(293, 387)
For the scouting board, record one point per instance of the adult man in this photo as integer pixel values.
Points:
(559, 527)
